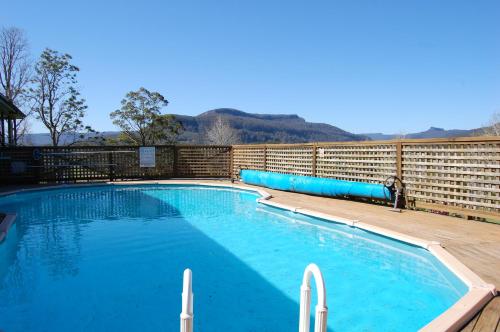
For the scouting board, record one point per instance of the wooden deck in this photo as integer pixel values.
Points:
(488, 320)
(475, 244)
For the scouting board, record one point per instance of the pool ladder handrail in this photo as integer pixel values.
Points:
(320, 322)
(312, 270)
(187, 302)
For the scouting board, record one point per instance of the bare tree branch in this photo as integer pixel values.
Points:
(15, 63)
(15, 71)
(493, 127)
(221, 133)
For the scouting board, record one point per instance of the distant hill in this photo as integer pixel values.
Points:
(263, 128)
(44, 139)
(251, 128)
(432, 132)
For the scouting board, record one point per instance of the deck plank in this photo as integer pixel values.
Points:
(470, 326)
(490, 317)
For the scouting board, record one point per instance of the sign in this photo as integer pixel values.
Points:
(147, 156)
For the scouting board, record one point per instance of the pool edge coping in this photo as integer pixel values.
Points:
(5, 224)
(452, 319)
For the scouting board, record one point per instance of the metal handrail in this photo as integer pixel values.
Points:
(305, 300)
(187, 302)
(312, 270)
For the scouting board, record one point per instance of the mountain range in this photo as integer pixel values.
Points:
(432, 132)
(264, 128)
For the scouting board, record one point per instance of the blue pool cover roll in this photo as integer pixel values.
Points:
(315, 186)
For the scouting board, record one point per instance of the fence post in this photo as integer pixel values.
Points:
(265, 158)
(314, 151)
(175, 161)
(231, 156)
(111, 166)
(399, 159)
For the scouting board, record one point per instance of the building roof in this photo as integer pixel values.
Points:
(8, 110)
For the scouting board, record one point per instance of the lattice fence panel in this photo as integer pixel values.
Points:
(125, 162)
(165, 162)
(248, 157)
(203, 161)
(17, 165)
(67, 164)
(356, 162)
(296, 159)
(464, 175)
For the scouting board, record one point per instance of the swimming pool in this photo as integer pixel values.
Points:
(109, 258)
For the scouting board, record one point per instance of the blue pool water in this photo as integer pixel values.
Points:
(110, 258)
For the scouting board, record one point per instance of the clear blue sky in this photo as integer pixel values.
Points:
(364, 66)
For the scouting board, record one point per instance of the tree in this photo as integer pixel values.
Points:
(55, 96)
(16, 66)
(401, 134)
(15, 73)
(141, 121)
(221, 133)
(493, 127)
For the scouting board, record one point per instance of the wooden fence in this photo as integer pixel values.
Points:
(89, 163)
(460, 175)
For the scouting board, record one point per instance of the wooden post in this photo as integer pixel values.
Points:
(399, 160)
(265, 158)
(175, 161)
(231, 162)
(10, 132)
(2, 129)
(15, 132)
(314, 152)
(111, 166)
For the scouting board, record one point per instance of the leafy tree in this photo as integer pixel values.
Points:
(55, 96)
(141, 120)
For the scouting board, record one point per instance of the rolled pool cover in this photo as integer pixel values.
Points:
(315, 186)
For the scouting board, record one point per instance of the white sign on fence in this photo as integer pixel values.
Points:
(147, 156)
